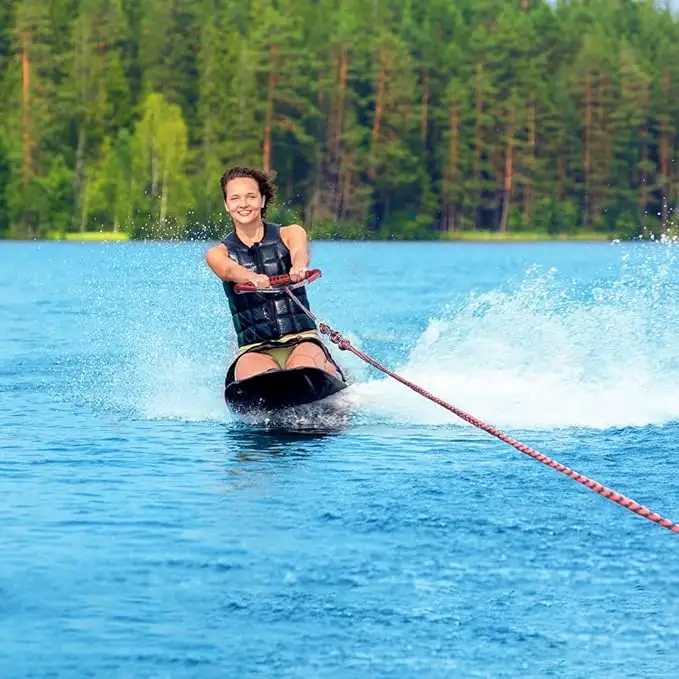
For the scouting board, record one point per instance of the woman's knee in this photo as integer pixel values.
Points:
(254, 363)
(309, 354)
(305, 353)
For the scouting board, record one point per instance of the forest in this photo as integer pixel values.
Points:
(405, 119)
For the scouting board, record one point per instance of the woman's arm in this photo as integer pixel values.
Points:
(217, 258)
(295, 239)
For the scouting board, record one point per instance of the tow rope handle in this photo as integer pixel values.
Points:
(278, 282)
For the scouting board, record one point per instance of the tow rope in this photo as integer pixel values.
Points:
(618, 498)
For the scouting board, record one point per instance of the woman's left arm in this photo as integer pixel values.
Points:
(295, 239)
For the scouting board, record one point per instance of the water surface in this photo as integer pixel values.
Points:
(147, 533)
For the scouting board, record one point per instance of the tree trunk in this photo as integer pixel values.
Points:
(84, 212)
(664, 175)
(509, 161)
(314, 203)
(163, 197)
(268, 122)
(452, 175)
(532, 140)
(562, 164)
(130, 205)
(478, 130)
(605, 153)
(78, 176)
(424, 126)
(341, 198)
(643, 179)
(346, 194)
(587, 149)
(665, 152)
(26, 109)
(379, 106)
(154, 172)
(342, 94)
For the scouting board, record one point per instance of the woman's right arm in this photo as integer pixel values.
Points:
(217, 258)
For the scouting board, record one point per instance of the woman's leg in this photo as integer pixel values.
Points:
(310, 354)
(253, 363)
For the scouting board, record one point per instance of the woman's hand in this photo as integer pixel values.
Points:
(298, 273)
(259, 280)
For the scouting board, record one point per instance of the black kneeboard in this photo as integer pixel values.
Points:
(279, 389)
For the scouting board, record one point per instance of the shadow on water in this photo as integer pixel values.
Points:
(262, 442)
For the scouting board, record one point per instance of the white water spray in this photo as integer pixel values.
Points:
(551, 353)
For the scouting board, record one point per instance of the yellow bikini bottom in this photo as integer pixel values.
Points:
(279, 354)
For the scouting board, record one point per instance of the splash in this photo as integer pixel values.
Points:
(152, 331)
(331, 415)
(548, 350)
(157, 340)
(552, 352)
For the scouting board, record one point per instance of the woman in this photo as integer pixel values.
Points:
(273, 333)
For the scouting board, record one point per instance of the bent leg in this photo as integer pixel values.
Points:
(310, 354)
(253, 363)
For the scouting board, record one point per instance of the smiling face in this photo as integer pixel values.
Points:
(244, 201)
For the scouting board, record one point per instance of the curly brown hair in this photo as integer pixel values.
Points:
(264, 181)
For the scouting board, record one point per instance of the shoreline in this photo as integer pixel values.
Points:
(524, 237)
(455, 237)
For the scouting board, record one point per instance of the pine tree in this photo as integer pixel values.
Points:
(99, 94)
(338, 191)
(593, 89)
(37, 186)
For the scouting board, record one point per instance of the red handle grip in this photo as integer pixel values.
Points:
(277, 282)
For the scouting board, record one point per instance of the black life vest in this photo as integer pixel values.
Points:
(260, 317)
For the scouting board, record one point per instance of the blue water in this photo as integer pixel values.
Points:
(146, 533)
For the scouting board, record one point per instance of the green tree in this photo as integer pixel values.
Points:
(100, 94)
(389, 118)
(169, 44)
(162, 148)
(111, 187)
(33, 89)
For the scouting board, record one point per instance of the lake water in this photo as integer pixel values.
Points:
(144, 532)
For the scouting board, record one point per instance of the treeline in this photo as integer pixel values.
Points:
(386, 118)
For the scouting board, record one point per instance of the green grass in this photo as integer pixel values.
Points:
(523, 236)
(89, 236)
